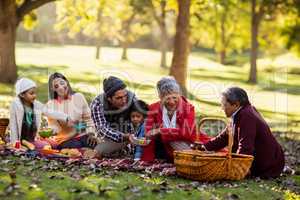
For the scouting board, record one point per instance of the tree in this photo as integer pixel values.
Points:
(12, 13)
(221, 25)
(181, 44)
(102, 20)
(261, 10)
(128, 24)
(291, 29)
(92, 18)
(159, 9)
(124, 37)
(160, 18)
(255, 20)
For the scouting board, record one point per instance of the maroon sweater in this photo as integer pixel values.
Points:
(252, 136)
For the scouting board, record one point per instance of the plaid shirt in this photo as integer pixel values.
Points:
(103, 128)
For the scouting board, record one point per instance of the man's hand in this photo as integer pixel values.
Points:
(92, 140)
(126, 137)
(198, 146)
(131, 140)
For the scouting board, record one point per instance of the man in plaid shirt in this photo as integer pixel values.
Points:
(111, 116)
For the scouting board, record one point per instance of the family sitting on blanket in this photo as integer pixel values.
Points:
(64, 99)
(64, 110)
(117, 118)
(26, 114)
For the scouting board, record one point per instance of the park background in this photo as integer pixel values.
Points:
(207, 45)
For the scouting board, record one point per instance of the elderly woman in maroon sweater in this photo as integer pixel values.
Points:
(252, 135)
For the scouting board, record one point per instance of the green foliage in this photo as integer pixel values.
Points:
(278, 24)
(226, 25)
(90, 17)
(100, 19)
(128, 22)
(211, 19)
(19, 2)
(291, 29)
(30, 21)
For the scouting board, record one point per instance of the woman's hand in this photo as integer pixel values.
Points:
(37, 137)
(153, 133)
(70, 122)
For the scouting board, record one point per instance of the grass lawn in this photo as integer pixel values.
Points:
(38, 179)
(277, 96)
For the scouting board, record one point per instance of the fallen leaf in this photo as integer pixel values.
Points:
(74, 190)
(102, 190)
(33, 186)
(231, 196)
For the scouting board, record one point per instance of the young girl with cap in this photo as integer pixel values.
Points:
(26, 114)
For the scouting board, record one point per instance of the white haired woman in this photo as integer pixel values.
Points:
(170, 123)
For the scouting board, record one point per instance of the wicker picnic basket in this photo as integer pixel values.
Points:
(205, 166)
(3, 125)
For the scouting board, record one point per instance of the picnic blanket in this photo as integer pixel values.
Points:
(122, 164)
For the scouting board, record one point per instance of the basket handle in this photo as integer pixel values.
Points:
(230, 139)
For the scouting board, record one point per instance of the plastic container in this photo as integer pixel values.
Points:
(45, 132)
(140, 141)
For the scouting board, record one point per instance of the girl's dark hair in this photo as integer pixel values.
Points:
(236, 94)
(140, 107)
(52, 93)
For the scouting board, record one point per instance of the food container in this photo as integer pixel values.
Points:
(45, 132)
(140, 141)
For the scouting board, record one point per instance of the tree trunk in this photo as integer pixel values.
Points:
(254, 43)
(124, 51)
(8, 25)
(125, 41)
(222, 57)
(164, 35)
(223, 38)
(181, 45)
(163, 45)
(98, 49)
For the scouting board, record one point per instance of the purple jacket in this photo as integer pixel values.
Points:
(252, 136)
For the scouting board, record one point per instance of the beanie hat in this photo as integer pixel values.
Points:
(23, 85)
(111, 85)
